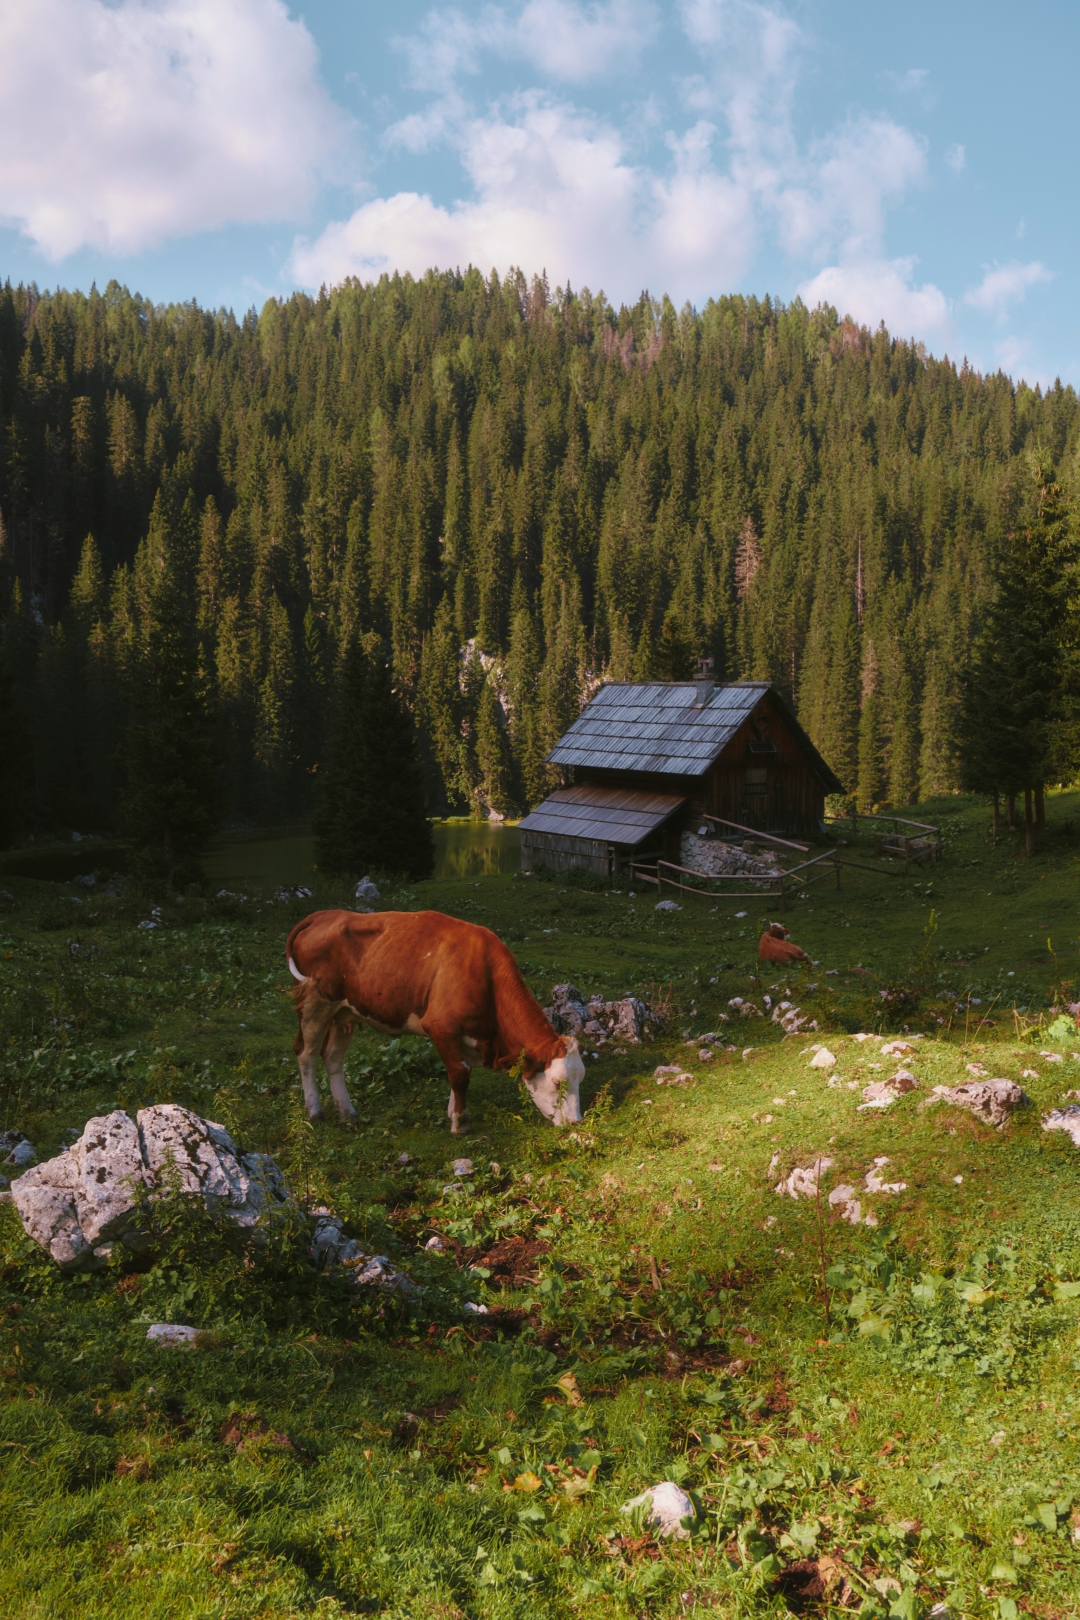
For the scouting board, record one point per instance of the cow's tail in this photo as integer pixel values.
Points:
(301, 988)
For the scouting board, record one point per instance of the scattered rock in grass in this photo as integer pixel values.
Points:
(21, 1155)
(172, 1334)
(462, 1167)
(803, 1180)
(331, 1246)
(571, 1014)
(93, 1194)
(883, 1093)
(367, 893)
(670, 1074)
(846, 1202)
(435, 1243)
(1029, 1074)
(666, 1507)
(896, 1048)
(823, 1059)
(667, 905)
(874, 1183)
(1064, 1119)
(994, 1101)
(978, 1070)
(1052, 1057)
(477, 1310)
(862, 1036)
(11, 1139)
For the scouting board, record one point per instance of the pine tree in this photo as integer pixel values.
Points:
(371, 814)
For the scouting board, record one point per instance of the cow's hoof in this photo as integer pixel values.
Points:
(313, 1114)
(347, 1116)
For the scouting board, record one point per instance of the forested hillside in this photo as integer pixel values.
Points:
(517, 493)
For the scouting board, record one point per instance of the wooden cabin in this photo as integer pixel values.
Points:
(645, 762)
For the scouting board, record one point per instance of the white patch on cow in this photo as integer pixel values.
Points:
(295, 971)
(556, 1092)
(414, 1026)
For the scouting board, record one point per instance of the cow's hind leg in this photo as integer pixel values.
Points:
(335, 1046)
(315, 1014)
(452, 1053)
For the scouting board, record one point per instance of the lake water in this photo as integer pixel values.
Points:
(462, 849)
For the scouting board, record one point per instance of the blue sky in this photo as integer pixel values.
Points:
(914, 163)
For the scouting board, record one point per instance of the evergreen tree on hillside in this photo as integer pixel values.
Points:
(1020, 712)
(371, 813)
(171, 799)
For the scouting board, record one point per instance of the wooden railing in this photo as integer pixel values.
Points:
(896, 822)
(778, 885)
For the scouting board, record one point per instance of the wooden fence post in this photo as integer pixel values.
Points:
(783, 901)
(836, 869)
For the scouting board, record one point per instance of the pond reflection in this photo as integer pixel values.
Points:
(462, 849)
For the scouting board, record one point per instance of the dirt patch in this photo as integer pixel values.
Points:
(246, 1431)
(513, 1262)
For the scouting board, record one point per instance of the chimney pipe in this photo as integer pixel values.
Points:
(704, 682)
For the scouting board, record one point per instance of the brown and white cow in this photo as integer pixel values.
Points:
(423, 973)
(776, 945)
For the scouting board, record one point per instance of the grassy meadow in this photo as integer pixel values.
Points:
(870, 1420)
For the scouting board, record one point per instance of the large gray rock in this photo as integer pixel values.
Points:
(96, 1192)
(45, 1198)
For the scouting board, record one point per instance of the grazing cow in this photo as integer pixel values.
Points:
(426, 974)
(775, 946)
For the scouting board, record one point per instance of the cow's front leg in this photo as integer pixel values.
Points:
(450, 1050)
(314, 1017)
(335, 1046)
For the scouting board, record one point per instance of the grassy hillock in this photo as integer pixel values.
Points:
(873, 1420)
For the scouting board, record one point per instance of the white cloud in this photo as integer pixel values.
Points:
(553, 190)
(124, 124)
(1006, 284)
(843, 188)
(575, 43)
(910, 82)
(956, 158)
(564, 40)
(881, 290)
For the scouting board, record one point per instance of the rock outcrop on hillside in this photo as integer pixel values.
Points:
(571, 1014)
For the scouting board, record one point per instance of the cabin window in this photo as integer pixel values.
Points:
(757, 779)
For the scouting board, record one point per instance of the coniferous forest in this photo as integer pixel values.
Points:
(502, 495)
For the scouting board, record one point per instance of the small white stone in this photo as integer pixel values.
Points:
(462, 1167)
(667, 1506)
(823, 1059)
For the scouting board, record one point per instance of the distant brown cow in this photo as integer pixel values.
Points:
(775, 946)
(426, 974)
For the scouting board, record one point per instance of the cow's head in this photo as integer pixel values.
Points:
(556, 1089)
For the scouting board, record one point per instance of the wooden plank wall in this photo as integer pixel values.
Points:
(560, 854)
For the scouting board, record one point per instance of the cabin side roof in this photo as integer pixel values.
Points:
(656, 727)
(614, 815)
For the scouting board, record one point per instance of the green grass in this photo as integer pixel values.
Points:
(320, 1455)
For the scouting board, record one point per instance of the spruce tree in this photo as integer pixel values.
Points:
(371, 814)
(493, 754)
(171, 799)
